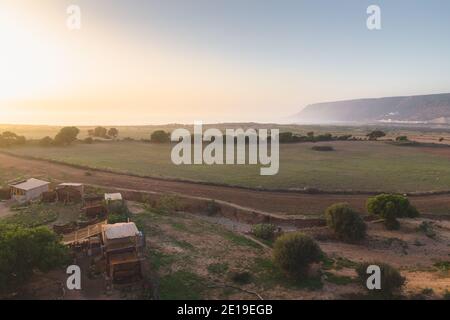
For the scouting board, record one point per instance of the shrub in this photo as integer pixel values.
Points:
(88, 140)
(212, 207)
(390, 217)
(294, 253)
(118, 212)
(168, 204)
(427, 228)
(322, 148)
(160, 136)
(401, 138)
(346, 223)
(23, 250)
(390, 207)
(264, 231)
(240, 277)
(46, 142)
(391, 279)
(401, 206)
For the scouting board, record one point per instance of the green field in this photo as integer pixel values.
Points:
(370, 166)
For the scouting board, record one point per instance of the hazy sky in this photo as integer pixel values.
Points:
(143, 61)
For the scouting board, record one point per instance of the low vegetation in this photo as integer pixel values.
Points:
(390, 207)
(322, 148)
(160, 136)
(295, 252)
(391, 280)
(264, 231)
(118, 212)
(346, 223)
(8, 139)
(24, 250)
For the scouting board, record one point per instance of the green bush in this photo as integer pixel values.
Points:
(23, 250)
(295, 252)
(168, 204)
(390, 217)
(264, 231)
(390, 207)
(118, 212)
(400, 206)
(391, 279)
(346, 223)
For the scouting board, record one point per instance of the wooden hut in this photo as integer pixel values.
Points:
(28, 190)
(122, 249)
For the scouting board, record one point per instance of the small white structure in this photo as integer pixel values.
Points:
(113, 197)
(28, 190)
(120, 231)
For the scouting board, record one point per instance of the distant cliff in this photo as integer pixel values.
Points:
(433, 108)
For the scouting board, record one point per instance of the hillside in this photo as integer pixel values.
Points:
(433, 108)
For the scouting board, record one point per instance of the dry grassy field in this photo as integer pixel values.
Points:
(353, 165)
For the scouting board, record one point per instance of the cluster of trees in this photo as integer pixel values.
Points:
(374, 135)
(64, 137)
(104, 133)
(24, 250)
(294, 252)
(348, 225)
(68, 135)
(8, 139)
(289, 137)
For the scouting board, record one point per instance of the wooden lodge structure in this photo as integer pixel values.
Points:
(123, 245)
(28, 190)
(70, 192)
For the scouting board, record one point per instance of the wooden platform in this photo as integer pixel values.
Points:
(83, 234)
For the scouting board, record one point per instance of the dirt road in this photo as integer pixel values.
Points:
(275, 202)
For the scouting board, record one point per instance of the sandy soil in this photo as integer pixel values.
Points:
(275, 202)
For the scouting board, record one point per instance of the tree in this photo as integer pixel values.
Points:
(100, 132)
(67, 135)
(9, 138)
(113, 132)
(374, 135)
(346, 223)
(160, 136)
(295, 252)
(23, 250)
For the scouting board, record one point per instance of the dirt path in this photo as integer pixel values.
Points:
(275, 202)
(4, 210)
